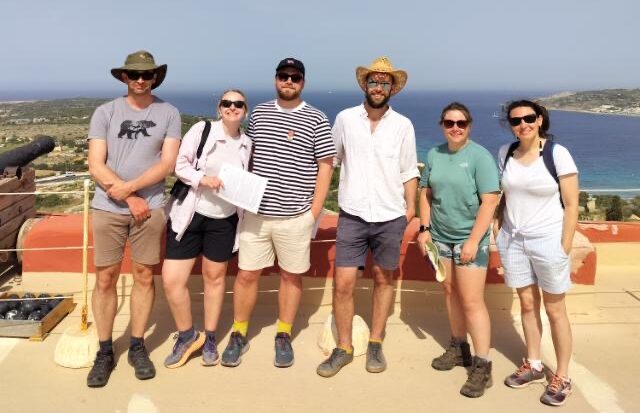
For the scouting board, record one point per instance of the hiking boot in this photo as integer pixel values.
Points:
(210, 356)
(479, 378)
(557, 391)
(284, 351)
(457, 354)
(182, 350)
(376, 362)
(142, 365)
(237, 346)
(524, 376)
(103, 365)
(337, 360)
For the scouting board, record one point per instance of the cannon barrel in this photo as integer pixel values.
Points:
(24, 154)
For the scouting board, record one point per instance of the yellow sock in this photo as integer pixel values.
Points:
(375, 340)
(284, 327)
(241, 327)
(348, 350)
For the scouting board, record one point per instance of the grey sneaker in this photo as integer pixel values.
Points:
(284, 351)
(101, 370)
(557, 391)
(479, 378)
(337, 360)
(210, 356)
(524, 376)
(142, 365)
(182, 350)
(457, 354)
(237, 346)
(376, 362)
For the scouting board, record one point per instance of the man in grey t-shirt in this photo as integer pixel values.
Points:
(133, 145)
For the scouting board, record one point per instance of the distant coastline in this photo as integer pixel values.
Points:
(621, 102)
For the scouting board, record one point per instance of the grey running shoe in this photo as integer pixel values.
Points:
(101, 370)
(524, 376)
(557, 391)
(284, 351)
(210, 356)
(182, 350)
(337, 360)
(142, 365)
(237, 346)
(457, 354)
(479, 378)
(376, 362)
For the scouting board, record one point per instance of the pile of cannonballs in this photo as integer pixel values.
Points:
(28, 307)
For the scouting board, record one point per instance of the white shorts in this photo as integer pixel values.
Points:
(540, 260)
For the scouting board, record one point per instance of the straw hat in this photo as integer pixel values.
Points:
(382, 65)
(433, 258)
(142, 61)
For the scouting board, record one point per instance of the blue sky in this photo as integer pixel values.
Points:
(444, 45)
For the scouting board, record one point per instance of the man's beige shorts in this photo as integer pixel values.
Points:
(111, 231)
(263, 238)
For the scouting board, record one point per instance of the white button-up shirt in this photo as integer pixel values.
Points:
(374, 166)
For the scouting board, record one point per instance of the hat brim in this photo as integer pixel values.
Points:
(399, 78)
(161, 71)
(433, 257)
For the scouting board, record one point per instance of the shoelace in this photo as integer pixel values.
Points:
(210, 345)
(375, 352)
(101, 360)
(526, 367)
(282, 343)
(556, 384)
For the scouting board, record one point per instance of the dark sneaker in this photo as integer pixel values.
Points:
(337, 360)
(524, 376)
(376, 362)
(284, 351)
(557, 391)
(237, 346)
(182, 350)
(479, 378)
(457, 354)
(142, 365)
(210, 356)
(101, 370)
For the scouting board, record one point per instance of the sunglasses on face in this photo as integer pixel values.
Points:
(135, 74)
(239, 104)
(516, 120)
(372, 84)
(283, 77)
(448, 123)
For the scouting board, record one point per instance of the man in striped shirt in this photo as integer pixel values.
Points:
(292, 148)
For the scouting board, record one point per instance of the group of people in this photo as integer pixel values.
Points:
(135, 143)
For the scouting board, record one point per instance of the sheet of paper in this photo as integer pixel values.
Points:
(241, 188)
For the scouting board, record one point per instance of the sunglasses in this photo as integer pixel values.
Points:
(372, 84)
(135, 74)
(448, 123)
(516, 120)
(239, 104)
(283, 77)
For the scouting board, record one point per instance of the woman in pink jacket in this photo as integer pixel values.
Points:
(203, 223)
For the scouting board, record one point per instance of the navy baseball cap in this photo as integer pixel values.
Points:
(291, 62)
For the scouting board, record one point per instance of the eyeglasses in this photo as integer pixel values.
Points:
(448, 123)
(135, 74)
(372, 84)
(283, 77)
(516, 120)
(237, 103)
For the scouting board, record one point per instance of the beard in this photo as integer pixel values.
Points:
(288, 94)
(380, 104)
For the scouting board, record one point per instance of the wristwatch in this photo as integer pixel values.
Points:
(424, 228)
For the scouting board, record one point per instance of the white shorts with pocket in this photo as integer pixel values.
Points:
(534, 260)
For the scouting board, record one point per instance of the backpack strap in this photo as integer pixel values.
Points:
(203, 140)
(512, 149)
(549, 163)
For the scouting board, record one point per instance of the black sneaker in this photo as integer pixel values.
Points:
(284, 351)
(457, 354)
(142, 365)
(337, 360)
(101, 370)
(479, 378)
(237, 346)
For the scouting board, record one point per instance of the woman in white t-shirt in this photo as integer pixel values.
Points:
(538, 223)
(204, 224)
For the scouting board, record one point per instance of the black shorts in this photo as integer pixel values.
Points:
(212, 237)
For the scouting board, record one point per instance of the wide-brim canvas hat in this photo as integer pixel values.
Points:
(382, 65)
(433, 258)
(143, 61)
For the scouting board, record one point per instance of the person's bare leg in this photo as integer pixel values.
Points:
(470, 283)
(556, 309)
(104, 300)
(142, 297)
(289, 295)
(452, 301)
(175, 275)
(382, 301)
(245, 294)
(213, 274)
(343, 309)
(531, 321)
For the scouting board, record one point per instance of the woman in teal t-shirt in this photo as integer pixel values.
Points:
(459, 192)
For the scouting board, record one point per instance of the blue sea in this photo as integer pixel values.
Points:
(605, 147)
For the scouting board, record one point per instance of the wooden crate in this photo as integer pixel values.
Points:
(15, 209)
(36, 330)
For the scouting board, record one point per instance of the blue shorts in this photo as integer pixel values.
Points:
(451, 251)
